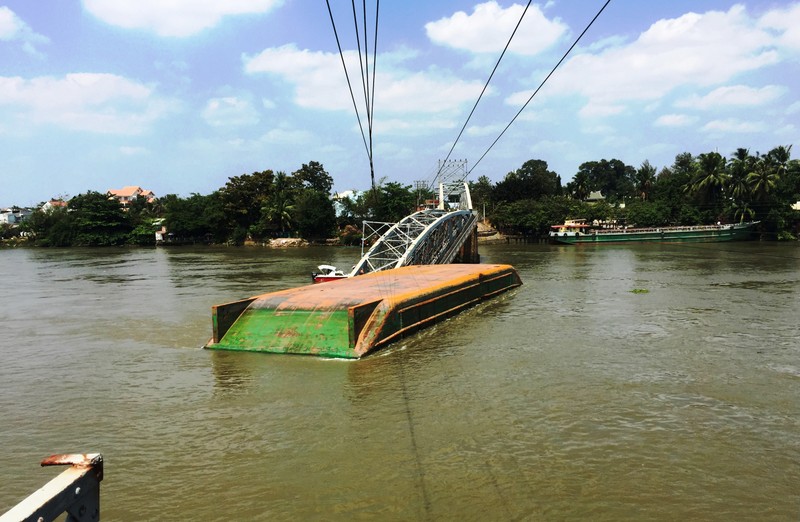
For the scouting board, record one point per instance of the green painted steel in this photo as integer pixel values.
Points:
(354, 316)
(311, 332)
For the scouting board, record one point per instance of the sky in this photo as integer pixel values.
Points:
(179, 96)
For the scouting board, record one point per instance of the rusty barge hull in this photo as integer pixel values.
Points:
(353, 317)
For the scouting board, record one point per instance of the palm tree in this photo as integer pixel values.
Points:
(763, 178)
(742, 210)
(780, 157)
(739, 167)
(580, 185)
(278, 207)
(710, 176)
(645, 177)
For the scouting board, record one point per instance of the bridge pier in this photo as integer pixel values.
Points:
(468, 253)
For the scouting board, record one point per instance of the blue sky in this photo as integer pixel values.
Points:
(178, 96)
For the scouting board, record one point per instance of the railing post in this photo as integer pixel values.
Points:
(76, 492)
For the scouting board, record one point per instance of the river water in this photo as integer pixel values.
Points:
(647, 382)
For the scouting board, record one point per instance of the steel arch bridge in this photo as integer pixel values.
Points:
(427, 237)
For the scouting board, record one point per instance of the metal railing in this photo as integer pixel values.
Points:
(76, 492)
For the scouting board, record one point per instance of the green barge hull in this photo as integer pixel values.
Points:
(352, 317)
(696, 234)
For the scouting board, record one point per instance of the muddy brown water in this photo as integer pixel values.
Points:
(646, 382)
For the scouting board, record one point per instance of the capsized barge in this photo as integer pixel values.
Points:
(355, 316)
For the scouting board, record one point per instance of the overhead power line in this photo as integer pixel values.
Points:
(367, 88)
(540, 86)
(485, 86)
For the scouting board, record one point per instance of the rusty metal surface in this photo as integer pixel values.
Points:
(353, 317)
(73, 459)
(75, 491)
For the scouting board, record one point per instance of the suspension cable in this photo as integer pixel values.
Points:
(540, 85)
(372, 104)
(347, 76)
(485, 86)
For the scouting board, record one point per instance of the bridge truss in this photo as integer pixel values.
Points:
(426, 237)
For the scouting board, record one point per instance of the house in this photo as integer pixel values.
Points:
(126, 195)
(7, 217)
(14, 215)
(54, 203)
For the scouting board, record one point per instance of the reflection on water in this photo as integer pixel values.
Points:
(572, 397)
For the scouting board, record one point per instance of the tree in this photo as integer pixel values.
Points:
(390, 202)
(51, 227)
(481, 193)
(279, 207)
(613, 178)
(313, 176)
(739, 167)
(196, 218)
(579, 187)
(531, 181)
(314, 214)
(763, 179)
(645, 177)
(669, 190)
(710, 177)
(98, 220)
(243, 197)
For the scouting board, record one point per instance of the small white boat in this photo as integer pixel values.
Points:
(327, 273)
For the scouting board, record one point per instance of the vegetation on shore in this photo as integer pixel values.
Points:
(701, 189)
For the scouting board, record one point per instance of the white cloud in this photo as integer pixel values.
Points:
(485, 130)
(413, 125)
(489, 27)
(692, 50)
(675, 120)
(287, 136)
(10, 24)
(732, 125)
(178, 18)
(734, 95)
(229, 111)
(601, 110)
(83, 101)
(12, 28)
(319, 83)
(787, 22)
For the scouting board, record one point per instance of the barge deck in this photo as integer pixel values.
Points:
(353, 317)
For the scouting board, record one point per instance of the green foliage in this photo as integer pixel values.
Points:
(647, 214)
(314, 214)
(313, 176)
(7, 231)
(98, 220)
(391, 201)
(533, 217)
(693, 190)
(197, 218)
(142, 235)
(244, 196)
(482, 194)
(531, 181)
(51, 227)
(350, 236)
(614, 179)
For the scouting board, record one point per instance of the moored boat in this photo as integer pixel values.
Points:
(573, 232)
(327, 273)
